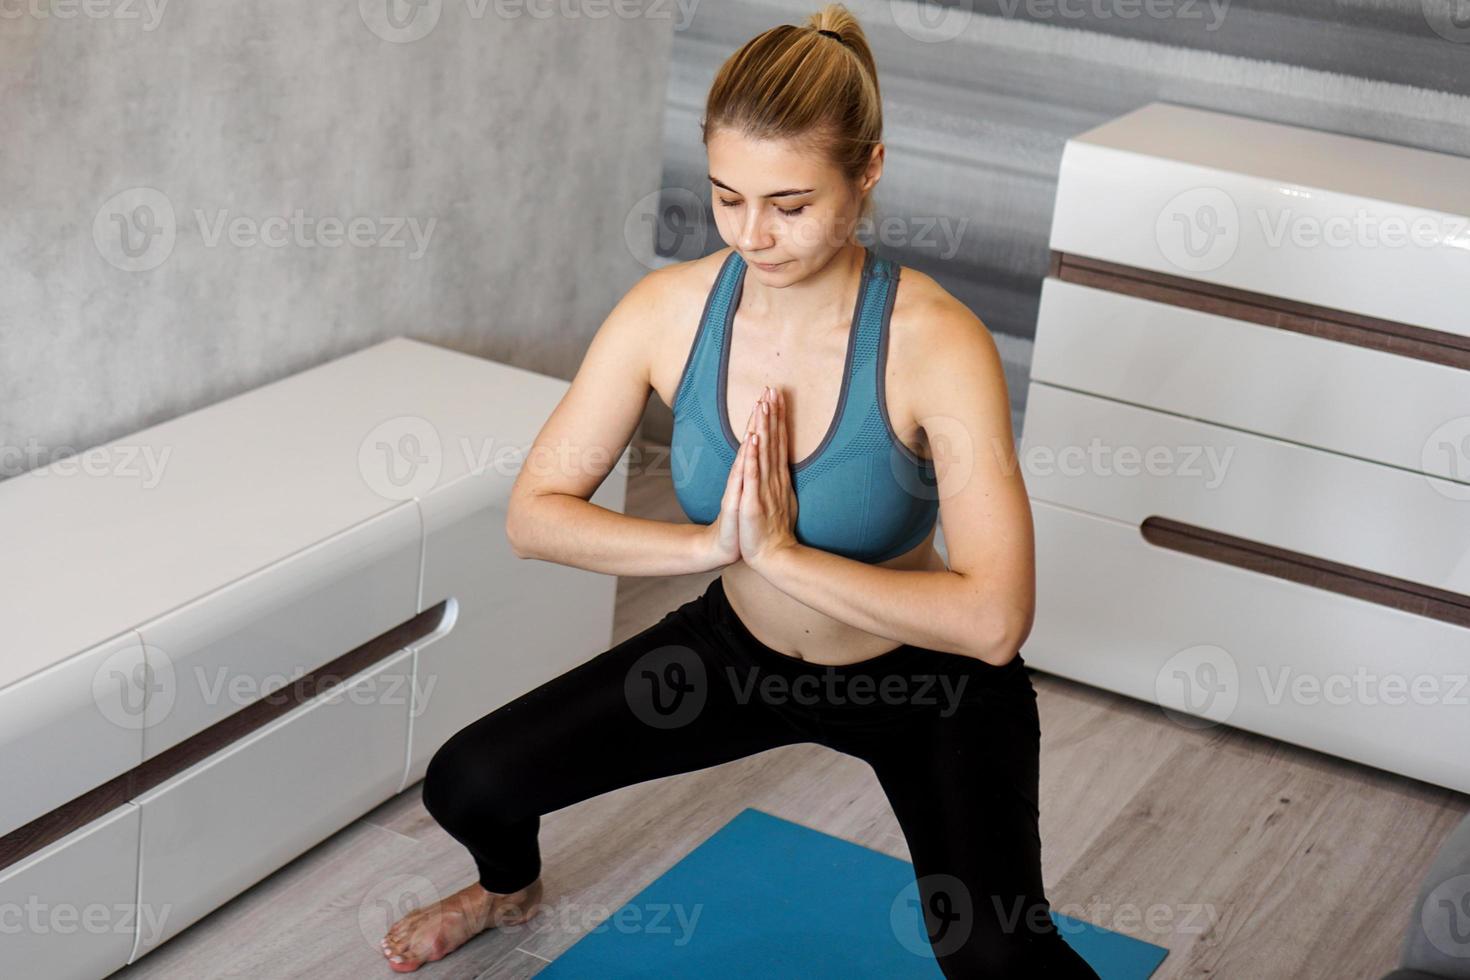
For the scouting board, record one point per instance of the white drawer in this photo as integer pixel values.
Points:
(67, 912)
(232, 647)
(69, 729)
(1279, 658)
(218, 827)
(520, 622)
(1352, 224)
(1384, 407)
(1322, 504)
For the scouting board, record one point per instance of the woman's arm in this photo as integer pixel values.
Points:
(550, 516)
(983, 604)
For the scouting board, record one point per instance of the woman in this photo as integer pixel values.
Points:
(832, 606)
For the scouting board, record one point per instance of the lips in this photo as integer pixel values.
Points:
(769, 266)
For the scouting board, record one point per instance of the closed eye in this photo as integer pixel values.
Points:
(789, 212)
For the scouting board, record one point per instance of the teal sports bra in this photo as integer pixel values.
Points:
(861, 493)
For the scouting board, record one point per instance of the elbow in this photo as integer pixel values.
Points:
(1000, 639)
(516, 528)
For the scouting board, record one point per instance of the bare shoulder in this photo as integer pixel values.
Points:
(672, 300)
(935, 342)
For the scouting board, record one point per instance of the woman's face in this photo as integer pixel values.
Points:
(778, 202)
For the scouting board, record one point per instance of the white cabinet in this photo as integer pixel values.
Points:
(220, 826)
(1247, 434)
(289, 536)
(519, 622)
(68, 912)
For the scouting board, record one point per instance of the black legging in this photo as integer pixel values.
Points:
(954, 742)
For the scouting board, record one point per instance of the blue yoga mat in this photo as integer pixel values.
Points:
(765, 897)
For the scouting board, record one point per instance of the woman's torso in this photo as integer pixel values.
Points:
(813, 369)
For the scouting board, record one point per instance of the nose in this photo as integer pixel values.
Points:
(754, 235)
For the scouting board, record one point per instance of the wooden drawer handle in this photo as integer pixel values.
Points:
(77, 813)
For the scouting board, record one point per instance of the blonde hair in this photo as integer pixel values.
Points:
(791, 82)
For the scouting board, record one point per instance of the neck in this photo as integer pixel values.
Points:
(821, 299)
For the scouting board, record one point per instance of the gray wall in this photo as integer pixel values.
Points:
(979, 98)
(527, 141)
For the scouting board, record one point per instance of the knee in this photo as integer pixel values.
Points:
(464, 783)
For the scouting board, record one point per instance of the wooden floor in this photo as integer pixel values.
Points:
(1246, 857)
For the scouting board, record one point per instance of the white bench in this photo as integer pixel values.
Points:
(1285, 549)
(237, 631)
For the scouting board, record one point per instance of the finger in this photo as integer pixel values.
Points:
(763, 443)
(736, 476)
(748, 470)
(782, 450)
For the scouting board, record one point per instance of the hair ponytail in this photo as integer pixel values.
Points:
(796, 83)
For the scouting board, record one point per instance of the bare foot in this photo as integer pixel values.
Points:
(434, 931)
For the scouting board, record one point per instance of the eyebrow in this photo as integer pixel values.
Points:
(789, 192)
